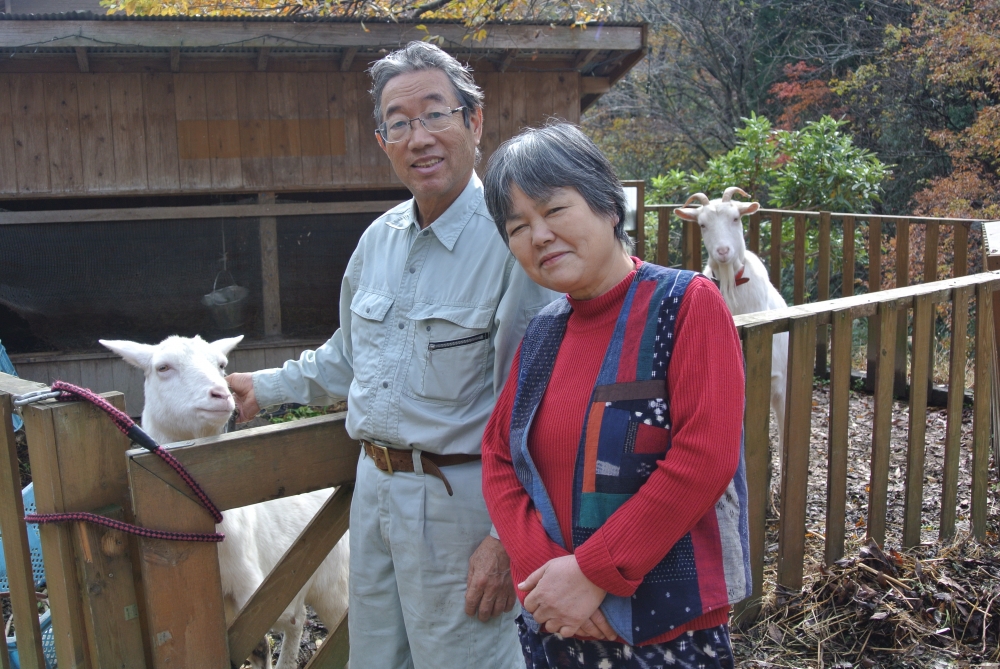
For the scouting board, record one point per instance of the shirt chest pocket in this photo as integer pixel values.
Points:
(368, 326)
(451, 353)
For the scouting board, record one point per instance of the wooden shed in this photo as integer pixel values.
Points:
(135, 152)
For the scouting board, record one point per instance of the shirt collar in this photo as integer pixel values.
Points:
(452, 222)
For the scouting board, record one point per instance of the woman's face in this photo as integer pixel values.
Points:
(563, 245)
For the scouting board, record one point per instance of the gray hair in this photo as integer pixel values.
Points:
(419, 56)
(540, 160)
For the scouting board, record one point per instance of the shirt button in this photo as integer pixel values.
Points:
(425, 233)
(412, 270)
(385, 384)
(401, 325)
(428, 328)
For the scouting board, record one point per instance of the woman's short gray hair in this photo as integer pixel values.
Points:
(418, 56)
(558, 155)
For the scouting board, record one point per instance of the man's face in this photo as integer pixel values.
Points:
(435, 166)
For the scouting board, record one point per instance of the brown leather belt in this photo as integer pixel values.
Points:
(397, 460)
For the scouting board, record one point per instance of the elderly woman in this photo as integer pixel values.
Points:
(612, 463)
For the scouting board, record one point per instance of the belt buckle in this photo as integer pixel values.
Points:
(385, 452)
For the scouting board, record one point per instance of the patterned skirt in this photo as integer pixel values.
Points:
(703, 649)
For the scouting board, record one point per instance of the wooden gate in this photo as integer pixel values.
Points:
(120, 601)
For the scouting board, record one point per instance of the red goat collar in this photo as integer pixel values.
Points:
(740, 279)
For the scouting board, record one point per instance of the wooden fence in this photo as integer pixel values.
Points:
(879, 252)
(121, 601)
(887, 308)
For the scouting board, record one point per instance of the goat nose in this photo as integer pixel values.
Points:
(723, 251)
(219, 393)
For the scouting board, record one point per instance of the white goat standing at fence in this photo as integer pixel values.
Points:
(741, 276)
(186, 397)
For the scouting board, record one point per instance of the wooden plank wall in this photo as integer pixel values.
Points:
(105, 372)
(102, 133)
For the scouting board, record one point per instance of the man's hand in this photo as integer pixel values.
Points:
(563, 600)
(241, 385)
(489, 588)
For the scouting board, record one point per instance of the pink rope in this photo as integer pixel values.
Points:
(128, 427)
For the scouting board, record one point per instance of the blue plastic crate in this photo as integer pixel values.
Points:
(48, 644)
(7, 367)
(38, 573)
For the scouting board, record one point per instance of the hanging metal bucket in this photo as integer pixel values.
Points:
(227, 305)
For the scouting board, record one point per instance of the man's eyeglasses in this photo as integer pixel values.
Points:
(434, 120)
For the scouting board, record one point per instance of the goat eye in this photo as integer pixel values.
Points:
(163, 368)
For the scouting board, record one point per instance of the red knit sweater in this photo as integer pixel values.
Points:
(707, 414)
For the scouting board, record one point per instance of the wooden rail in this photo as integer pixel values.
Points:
(887, 309)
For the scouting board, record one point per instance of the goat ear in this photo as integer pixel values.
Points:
(748, 207)
(134, 353)
(224, 346)
(687, 214)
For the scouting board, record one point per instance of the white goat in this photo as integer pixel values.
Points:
(742, 277)
(187, 398)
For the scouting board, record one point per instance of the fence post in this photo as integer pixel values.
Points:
(775, 269)
(991, 247)
(24, 606)
(956, 395)
(78, 462)
(795, 445)
(902, 279)
(878, 488)
(874, 284)
(981, 408)
(757, 454)
(663, 236)
(823, 289)
(923, 310)
(837, 439)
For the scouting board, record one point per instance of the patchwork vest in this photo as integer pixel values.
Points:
(626, 431)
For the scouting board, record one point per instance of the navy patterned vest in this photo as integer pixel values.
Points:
(626, 432)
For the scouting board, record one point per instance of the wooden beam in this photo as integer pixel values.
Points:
(262, 55)
(221, 211)
(295, 567)
(81, 59)
(348, 58)
(269, 271)
(864, 305)
(594, 85)
(584, 59)
(508, 58)
(289, 459)
(308, 35)
(334, 652)
(175, 59)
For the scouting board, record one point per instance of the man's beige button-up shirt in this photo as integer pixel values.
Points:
(429, 323)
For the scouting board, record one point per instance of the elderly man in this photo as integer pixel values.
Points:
(432, 308)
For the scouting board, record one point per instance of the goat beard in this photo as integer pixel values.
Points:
(726, 274)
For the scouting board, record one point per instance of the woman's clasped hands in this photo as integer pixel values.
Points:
(564, 601)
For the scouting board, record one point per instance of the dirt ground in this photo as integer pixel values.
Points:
(943, 609)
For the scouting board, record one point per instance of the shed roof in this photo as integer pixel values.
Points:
(602, 53)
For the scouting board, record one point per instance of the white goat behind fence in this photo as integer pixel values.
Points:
(742, 277)
(187, 398)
